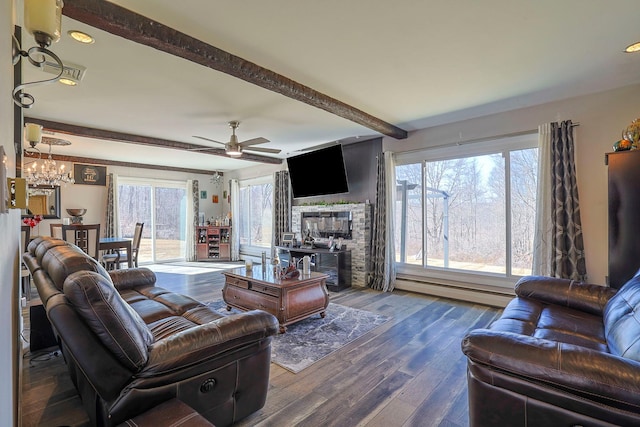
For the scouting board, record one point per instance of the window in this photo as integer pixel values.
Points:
(256, 212)
(472, 213)
(161, 206)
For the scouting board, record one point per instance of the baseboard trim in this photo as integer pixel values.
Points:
(463, 293)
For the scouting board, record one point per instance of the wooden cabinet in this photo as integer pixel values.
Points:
(624, 205)
(213, 243)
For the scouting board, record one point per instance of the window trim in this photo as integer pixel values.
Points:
(254, 250)
(153, 183)
(497, 145)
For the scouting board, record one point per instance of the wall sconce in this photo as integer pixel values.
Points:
(33, 133)
(42, 19)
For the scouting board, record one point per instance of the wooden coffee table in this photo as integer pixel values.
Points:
(289, 300)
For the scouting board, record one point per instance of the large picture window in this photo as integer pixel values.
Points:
(473, 212)
(256, 212)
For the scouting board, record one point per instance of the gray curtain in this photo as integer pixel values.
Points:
(194, 201)
(281, 206)
(567, 247)
(383, 274)
(110, 223)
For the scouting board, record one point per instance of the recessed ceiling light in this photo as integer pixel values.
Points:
(68, 82)
(80, 36)
(633, 48)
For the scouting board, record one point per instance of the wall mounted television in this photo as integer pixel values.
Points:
(317, 173)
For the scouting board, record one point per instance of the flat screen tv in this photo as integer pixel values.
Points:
(318, 172)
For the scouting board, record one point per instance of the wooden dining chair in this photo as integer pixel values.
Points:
(56, 230)
(113, 260)
(25, 235)
(84, 236)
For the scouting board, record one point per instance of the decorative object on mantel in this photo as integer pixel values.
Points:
(630, 138)
(48, 173)
(43, 20)
(76, 215)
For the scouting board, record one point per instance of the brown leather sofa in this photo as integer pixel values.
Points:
(561, 354)
(130, 345)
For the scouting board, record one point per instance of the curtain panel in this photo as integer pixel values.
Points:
(111, 228)
(281, 206)
(383, 263)
(559, 250)
(193, 207)
(234, 191)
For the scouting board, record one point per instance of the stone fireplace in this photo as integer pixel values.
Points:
(360, 242)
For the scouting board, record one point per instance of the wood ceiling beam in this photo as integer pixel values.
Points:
(135, 27)
(109, 135)
(103, 162)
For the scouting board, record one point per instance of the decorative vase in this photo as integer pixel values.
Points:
(632, 134)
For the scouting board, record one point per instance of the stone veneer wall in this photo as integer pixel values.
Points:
(360, 243)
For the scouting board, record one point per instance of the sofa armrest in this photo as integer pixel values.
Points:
(132, 278)
(208, 340)
(584, 372)
(568, 293)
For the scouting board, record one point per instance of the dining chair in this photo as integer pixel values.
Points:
(25, 235)
(113, 260)
(84, 236)
(55, 230)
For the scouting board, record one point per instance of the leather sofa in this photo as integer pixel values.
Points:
(130, 345)
(561, 354)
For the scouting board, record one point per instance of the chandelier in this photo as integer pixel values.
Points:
(48, 173)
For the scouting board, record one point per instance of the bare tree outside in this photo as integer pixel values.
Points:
(256, 206)
(464, 212)
(166, 206)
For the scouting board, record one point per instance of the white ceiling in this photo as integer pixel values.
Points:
(412, 63)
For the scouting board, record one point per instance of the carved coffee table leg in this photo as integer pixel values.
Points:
(323, 314)
(283, 329)
(228, 308)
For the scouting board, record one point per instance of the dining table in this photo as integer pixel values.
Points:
(116, 244)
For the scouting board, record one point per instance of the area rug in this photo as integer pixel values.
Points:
(312, 339)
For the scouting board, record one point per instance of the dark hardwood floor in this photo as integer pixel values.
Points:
(407, 372)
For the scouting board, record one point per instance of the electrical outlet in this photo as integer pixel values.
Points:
(23, 302)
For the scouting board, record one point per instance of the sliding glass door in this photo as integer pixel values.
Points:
(161, 206)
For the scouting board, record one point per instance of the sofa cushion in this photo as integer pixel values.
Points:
(117, 325)
(622, 321)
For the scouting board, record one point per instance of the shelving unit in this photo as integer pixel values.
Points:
(213, 243)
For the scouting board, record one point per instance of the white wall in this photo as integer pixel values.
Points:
(9, 230)
(602, 117)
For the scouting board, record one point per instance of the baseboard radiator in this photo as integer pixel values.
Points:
(493, 296)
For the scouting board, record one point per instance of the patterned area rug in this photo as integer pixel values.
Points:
(309, 340)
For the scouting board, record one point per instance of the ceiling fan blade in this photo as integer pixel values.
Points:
(209, 139)
(262, 150)
(254, 141)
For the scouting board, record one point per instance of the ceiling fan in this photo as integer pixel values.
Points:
(234, 148)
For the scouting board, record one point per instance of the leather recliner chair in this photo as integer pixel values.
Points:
(561, 354)
(130, 345)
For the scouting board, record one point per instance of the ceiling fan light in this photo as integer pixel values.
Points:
(233, 150)
(635, 47)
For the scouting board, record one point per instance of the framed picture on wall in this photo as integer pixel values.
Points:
(203, 194)
(214, 198)
(89, 174)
